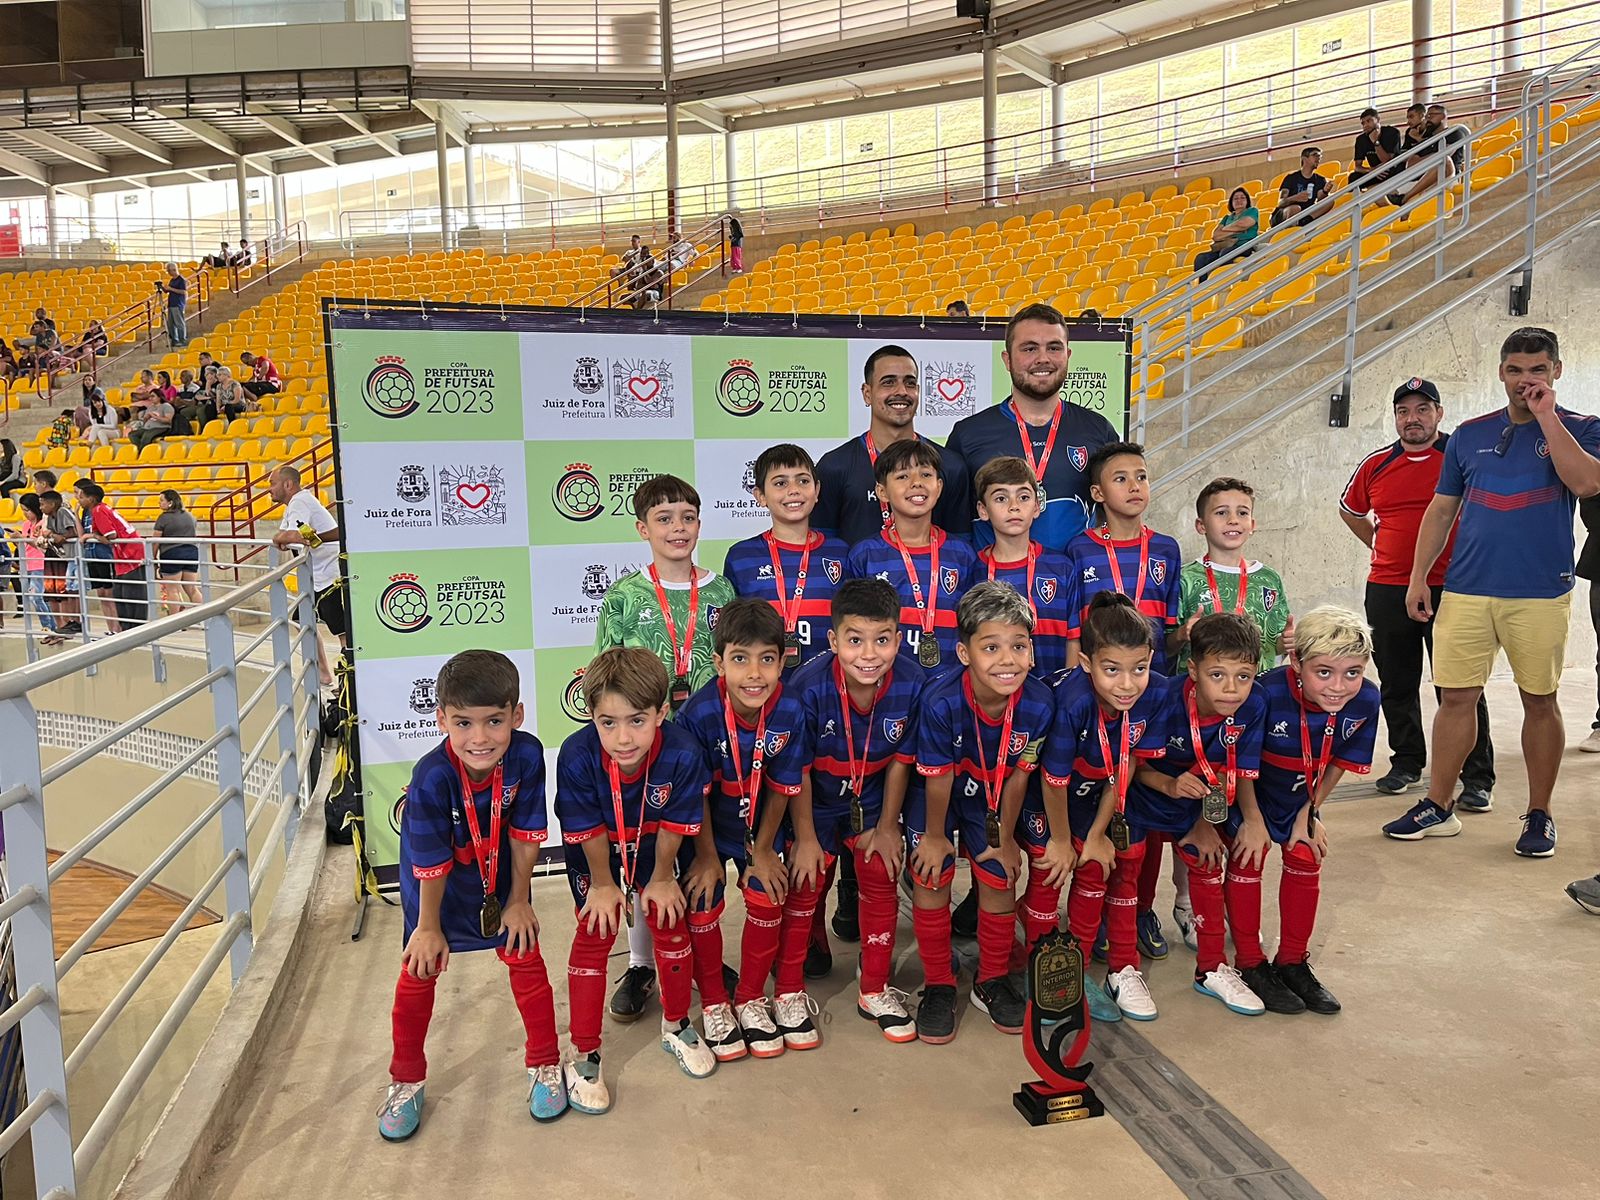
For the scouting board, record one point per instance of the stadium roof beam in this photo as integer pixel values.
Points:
(291, 133)
(361, 125)
(454, 126)
(137, 142)
(54, 144)
(203, 130)
(709, 117)
(943, 93)
(484, 135)
(1035, 66)
(25, 168)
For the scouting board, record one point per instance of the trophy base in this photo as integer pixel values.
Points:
(1041, 1105)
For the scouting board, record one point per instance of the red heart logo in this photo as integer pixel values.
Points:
(473, 495)
(645, 388)
(951, 389)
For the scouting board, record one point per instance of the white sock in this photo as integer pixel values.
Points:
(641, 947)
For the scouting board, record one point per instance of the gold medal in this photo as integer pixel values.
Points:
(928, 651)
(991, 829)
(489, 916)
(858, 817)
(791, 650)
(1214, 808)
(1117, 831)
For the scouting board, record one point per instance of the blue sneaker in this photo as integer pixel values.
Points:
(1101, 1006)
(401, 1112)
(547, 1092)
(1538, 838)
(1425, 819)
(1102, 944)
(1151, 938)
(1475, 800)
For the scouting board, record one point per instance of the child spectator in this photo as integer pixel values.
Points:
(1008, 499)
(465, 878)
(62, 429)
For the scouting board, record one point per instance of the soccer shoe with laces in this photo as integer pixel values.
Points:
(1128, 988)
(1297, 977)
(722, 1032)
(401, 1111)
(586, 1086)
(1538, 838)
(936, 1014)
(547, 1092)
(1273, 993)
(999, 1000)
(761, 1036)
(792, 1014)
(1587, 893)
(888, 1009)
(682, 1042)
(634, 990)
(1102, 1007)
(1152, 938)
(1227, 985)
(1475, 800)
(1396, 782)
(1424, 819)
(1183, 918)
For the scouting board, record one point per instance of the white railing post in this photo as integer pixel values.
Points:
(230, 780)
(33, 947)
(288, 738)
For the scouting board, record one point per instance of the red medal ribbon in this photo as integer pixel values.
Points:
(487, 858)
(1230, 783)
(1325, 755)
(758, 755)
(992, 790)
(791, 608)
(630, 858)
(987, 554)
(682, 655)
(872, 457)
(1104, 535)
(1119, 770)
(1216, 593)
(858, 780)
(1027, 441)
(930, 608)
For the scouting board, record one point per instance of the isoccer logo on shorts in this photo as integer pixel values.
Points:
(402, 606)
(389, 390)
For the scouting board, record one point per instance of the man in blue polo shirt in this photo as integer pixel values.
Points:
(1056, 438)
(1514, 477)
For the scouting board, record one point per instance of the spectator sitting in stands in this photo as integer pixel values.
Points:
(244, 256)
(957, 308)
(144, 392)
(1447, 162)
(43, 347)
(1436, 123)
(178, 562)
(62, 429)
(164, 386)
(1238, 227)
(104, 421)
(8, 364)
(264, 379)
(12, 478)
(95, 342)
(221, 258)
(229, 398)
(200, 366)
(188, 402)
(1376, 145)
(1089, 314)
(1301, 189)
(154, 424)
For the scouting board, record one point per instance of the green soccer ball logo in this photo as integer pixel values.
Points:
(739, 390)
(389, 390)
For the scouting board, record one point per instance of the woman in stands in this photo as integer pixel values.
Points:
(12, 476)
(178, 561)
(104, 421)
(1238, 227)
(164, 386)
(8, 365)
(229, 397)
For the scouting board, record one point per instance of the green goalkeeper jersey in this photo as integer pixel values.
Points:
(630, 615)
(1266, 604)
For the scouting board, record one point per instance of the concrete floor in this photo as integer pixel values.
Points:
(1462, 1066)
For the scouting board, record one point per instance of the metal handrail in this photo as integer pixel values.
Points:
(610, 290)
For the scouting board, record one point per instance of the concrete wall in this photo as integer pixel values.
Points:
(279, 48)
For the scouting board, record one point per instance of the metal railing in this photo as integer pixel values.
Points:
(660, 284)
(1303, 308)
(257, 745)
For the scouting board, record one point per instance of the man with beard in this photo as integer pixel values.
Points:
(1383, 506)
(848, 504)
(1056, 438)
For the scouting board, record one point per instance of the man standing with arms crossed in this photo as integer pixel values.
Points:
(1383, 506)
(1514, 477)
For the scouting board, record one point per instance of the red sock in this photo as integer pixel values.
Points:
(932, 926)
(880, 913)
(586, 986)
(705, 938)
(1150, 872)
(1241, 890)
(1122, 910)
(1205, 897)
(1297, 903)
(996, 935)
(799, 910)
(674, 965)
(1040, 912)
(819, 918)
(758, 949)
(413, 1010)
(1086, 903)
(530, 988)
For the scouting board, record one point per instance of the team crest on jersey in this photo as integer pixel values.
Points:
(1136, 731)
(1158, 571)
(1090, 576)
(894, 728)
(777, 741)
(833, 569)
(1036, 824)
(949, 579)
(713, 614)
(1078, 456)
(1046, 587)
(1352, 724)
(1269, 598)
(582, 884)
(1542, 448)
(830, 728)
(657, 795)
(1230, 733)
(1019, 742)
(764, 571)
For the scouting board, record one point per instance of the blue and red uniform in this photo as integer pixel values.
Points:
(1300, 744)
(437, 840)
(594, 799)
(941, 571)
(775, 571)
(1046, 580)
(1145, 569)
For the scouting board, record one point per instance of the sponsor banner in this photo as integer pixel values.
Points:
(582, 494)
(725, 472)
(428, 386)
(434, 496)
(401, 700)
(569, 582)
(416, 602)
(772, 389)
(584, 386)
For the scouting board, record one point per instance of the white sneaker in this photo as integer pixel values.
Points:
(1591, 744)
(1227, 985)
(723, 1034)
(761, 1036)
(888, 1009)
(1132, 994)
(794, 1011)
(684, 1044)
(586, 1087)
(1183, 918)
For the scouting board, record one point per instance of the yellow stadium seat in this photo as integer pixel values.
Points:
(1103, 205)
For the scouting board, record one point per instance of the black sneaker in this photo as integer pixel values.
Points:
(1272, 991)
(819, 961)
(964, 916)
(1397, 781)
(1000, 1000)
(847, 917)
(936, 1014)
(1299, 980)
(633, 992)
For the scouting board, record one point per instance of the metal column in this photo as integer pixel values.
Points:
(1058, 123)
(991, 121)
(732, 163)
(50, 231)
(242, 182)
(1422, 50)
(470, 173)
(1511, 14)
(441, 148)
(280, 203)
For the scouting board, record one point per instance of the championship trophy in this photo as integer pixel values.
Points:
(1057, 1014)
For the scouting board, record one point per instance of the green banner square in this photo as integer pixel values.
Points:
(405, 604)
(560, 710)
(581, 493)
(427, 387)
(781, 389)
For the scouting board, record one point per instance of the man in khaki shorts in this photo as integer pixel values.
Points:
(1514, 477)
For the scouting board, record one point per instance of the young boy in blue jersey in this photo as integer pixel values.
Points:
(1322, 720)
(860, 701)
(1122, 554)
(1008, 499)
(929, 570)
(791, 566)
(470, 830)
(1214, 720)
(630, 788)
(979, 733)
(752, 733)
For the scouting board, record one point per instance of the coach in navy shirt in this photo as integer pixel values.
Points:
(1514, 477)
(1055, 437)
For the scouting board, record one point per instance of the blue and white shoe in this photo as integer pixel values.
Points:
(1132, 995)
(1587, 893)
(401, 1112)
(1226, 984)
(547, 1092)
(1425, 819)
(1101, 1006)
(1152, 939)
(684, 1044)
(585, 1085)
(1538, 838)
(1475, 800)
